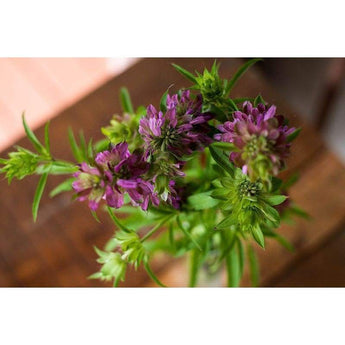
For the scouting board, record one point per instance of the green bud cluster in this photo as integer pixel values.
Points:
(245, 205)
(113, 267)
(20, 164)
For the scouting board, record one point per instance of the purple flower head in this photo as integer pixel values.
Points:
(181, 130)
(117, 172)
(260, 137)
(89, 185)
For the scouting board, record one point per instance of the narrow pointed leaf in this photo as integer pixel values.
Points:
(274, 200)
(74, 146)
(152, 275)
(258, 236)
(32, 137)
(259, 100)
(293, 135)
(222, 160)
(46, 137)
(185, 73)
(126, 102)
(65, 186)
(38, 195)
(202, 201)
(239, 74)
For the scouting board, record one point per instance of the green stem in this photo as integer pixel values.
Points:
(154, 229)
(116, 221)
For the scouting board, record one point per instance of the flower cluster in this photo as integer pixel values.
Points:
(148, 175)
(204, 204)
(181, 131)
(117, 172)
(261, 140)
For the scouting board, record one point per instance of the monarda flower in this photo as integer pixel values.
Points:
(117, 172)
(89, 185)
(260, 138)
(181, 130)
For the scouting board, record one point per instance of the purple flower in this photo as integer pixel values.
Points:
(181, 130)
(260, 138)
(89, 185)
(117, 172)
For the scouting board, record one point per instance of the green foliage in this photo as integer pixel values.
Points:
(113, 267)
(65, 186)
(38, 195)
(231, 83)
(20, 164)
(124, 128)
(126, 102)
(133, 249)
(202, 201)
(32, 137)
(215, 91)
(294, 135)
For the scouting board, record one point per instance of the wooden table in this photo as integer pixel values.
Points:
(58, 249)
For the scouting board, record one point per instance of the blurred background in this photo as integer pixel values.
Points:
(46, 87)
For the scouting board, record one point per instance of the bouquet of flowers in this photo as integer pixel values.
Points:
(194, 176)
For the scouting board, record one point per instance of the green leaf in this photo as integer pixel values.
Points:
(224, 146)
(202, 201)
(163, 102)
(232, 104)
(271, 214)
(227, 222)
(253, 266)
(274, 200)
(293, 135)
(32, 137)
(185, 73)
(258, 236)
(65, 186)
(126, 102)
(56, 168)
(233, 268)
(276, 183)
(46, 137)
(152, 275)
(94, 215)
(38, 195)
(258, 100)
(239, 74)
(77, 153)
(83, 147)
(222, 160)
